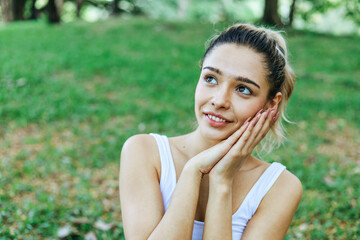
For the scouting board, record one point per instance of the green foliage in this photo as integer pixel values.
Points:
(70, 96)
(351, 8)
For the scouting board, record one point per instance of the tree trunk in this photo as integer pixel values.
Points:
(19, 6)
(79, 4)
(271, 15)
(7, 12)
(53, 14)
(33, 11)
(291, 14)
(115, 8)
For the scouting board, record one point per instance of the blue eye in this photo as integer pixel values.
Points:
(210, 79)
(244, 90)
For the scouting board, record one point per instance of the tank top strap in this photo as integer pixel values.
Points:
(168, 173)
(259, 190)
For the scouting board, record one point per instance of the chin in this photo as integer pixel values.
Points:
(215, 134)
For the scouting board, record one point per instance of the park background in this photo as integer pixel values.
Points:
(77, 78)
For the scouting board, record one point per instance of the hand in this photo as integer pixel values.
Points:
(207, 159)
(251, 134)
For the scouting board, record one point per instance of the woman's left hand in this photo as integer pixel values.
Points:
(256, 130)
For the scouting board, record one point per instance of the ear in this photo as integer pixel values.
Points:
(275, 101)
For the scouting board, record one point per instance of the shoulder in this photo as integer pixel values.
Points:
(276, 210)
(142, 139)
(290, 184)
(285, 193)
(141, 150)
(141, 143)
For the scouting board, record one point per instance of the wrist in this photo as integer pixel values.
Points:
(220, 180)
(192, 169)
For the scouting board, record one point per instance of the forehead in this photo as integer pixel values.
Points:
(237, 60)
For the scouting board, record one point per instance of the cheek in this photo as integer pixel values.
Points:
(199, 95)
(249, 110)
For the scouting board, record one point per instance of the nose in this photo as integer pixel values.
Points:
(221, 99)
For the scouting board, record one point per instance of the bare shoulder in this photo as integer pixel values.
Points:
(284, 195)
(288, 184)
(276, 210)
(141, 150)
(141, 143)
(140, 195)
(139, 140)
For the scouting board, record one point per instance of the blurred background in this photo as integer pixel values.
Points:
(77, 78)
(333, 16)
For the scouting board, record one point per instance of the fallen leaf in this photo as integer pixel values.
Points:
(80, 220)
(90, 236)
(64, 231)
(329, 181)
(303, 227)
(99, 224)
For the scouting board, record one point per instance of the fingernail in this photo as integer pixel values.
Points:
(247, 120)
(255, 120)
(276, 117)
(259, 112)
(272, 113)
(266, 113)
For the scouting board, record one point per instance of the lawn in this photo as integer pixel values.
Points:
(70, 95)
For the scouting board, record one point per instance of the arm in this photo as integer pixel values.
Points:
(140, 196)
(141, 200)
(274, 215)
(218, 218)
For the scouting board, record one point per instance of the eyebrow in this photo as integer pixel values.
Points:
(241, 79)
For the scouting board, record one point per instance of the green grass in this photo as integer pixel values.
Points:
(70, 96)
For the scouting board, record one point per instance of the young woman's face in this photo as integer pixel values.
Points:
(232, 87)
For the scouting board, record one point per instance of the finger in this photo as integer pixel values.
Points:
(228, 143)
(214, 154)
(235, 136)
(266, 126)
(275, 118)
(260, 130)
(246, 134)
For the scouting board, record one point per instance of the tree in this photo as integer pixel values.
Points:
(115, 8)
(350, 8)
(291, 13)
(79, 4)
(18, 8)
(33, 10)
(53, 13)
(7, 12)
(271, 15)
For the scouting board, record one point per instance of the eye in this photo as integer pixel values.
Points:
(210, 79)
(244, 90)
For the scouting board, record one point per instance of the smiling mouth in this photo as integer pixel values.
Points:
(216, 119)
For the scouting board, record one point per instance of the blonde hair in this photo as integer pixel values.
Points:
(281, 77)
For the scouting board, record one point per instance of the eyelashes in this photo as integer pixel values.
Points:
(242, 89)
(210, 79)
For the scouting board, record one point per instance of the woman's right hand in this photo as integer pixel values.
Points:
(207, 159)
(241, 141)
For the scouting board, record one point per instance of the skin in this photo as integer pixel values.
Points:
(214, 166)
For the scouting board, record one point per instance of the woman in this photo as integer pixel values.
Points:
(206, 184)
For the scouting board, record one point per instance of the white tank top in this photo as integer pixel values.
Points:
(247, 208)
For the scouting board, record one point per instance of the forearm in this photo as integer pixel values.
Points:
(178, 220)
(218, 218)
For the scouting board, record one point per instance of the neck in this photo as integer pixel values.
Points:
(198, 143)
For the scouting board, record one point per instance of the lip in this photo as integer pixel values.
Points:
(214, 123)
(217, 115)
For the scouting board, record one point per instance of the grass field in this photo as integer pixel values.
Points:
(70, 96)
